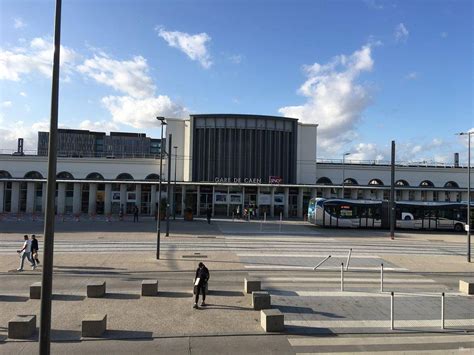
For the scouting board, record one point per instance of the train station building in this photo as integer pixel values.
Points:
(226, 162)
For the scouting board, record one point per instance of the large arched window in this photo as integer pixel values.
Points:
(324, 181)
(153, 177)
(350, 181)
(452, 184)
(5, 174)
(65, 175)
(94, 176)
(33, 175)
(402, 183)
(426, 183)
(124, 176)
(375, 182)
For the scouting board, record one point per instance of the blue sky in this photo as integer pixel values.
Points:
(366, 71)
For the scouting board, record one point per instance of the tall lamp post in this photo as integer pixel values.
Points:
(158, 223)
(344, 171)
(174, 187)
(468, 224)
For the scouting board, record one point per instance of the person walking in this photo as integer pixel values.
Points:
(209, 214)
(200, 284)
(34, 250)
(135, 213)
(25, 252)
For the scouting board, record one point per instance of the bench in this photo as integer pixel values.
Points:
(35, 291)
(22, 327)
(466, 287)
(94, 325)
(96, 289)
(251, 285)
(272, 320)
(149, 287)
(261, 300)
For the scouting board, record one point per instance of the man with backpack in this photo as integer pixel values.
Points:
(200, 284)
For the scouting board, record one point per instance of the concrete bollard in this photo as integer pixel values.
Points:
(392, 310)
(466, 287)
(149, 287)
(35, 291)
(261, 300)
(251, 285)
(272, 320)
(94, 325)
(22, 327)
(96, 289)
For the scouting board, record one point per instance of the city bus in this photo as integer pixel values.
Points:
(346, 213)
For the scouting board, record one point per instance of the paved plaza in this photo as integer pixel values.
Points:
(319, 316)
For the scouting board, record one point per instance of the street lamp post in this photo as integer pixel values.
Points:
(158, 223)
(174, 187)
(468, 224)
(344, 171)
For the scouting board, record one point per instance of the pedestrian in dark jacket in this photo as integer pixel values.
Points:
(35, 249)
(209, 215)
(200, 284)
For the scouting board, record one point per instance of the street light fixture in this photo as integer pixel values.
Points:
(468, 224)
(174, 187)
(344, 171)
(158, 223)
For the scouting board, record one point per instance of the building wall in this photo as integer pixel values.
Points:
(306, 153)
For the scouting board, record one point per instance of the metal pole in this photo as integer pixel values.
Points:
(342, 276)
(381, 277)
(392, 193)
(158, 223)
(47, 277)
(168, 188)
(348, 259)
(442, 310)
(326, 258)
(343, 172)
(174, 188)
(469, 197)
(392, 310)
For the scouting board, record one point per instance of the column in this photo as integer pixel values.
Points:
(30, 197)
(92, 198)
(153, 200)
(453, 196)
(198, 207)
(314, 192)
(441, 196)
(43, 196)
(61, 201)
(285, 207)
(367, 195)
(272, 202)
(123, 197)
(405, 195)
(183, 199)
(2, 194)
(417, 195)
(379, 194)
(171, 198)
(108, 199)
(429, 195)
(464, 196)
(243, 201)
(327, 192)
(138, 197)
(354, 194)
(15, 197)
(228, 201)
(300, 203)
(76, 198)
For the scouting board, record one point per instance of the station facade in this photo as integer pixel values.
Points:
(226, 162)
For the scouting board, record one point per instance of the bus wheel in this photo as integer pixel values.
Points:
(458, 227)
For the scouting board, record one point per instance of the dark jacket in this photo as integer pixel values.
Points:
(203, 274)
(34, 245)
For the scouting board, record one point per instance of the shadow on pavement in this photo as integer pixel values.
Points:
(281, 292)
(224, 306)
(305, 310)
(62, 335)
(128, 335)
(88, 267)
(174, 294)
(226, 293)
(299, 330)
(13, 298)
(122, 296)
(62, 297)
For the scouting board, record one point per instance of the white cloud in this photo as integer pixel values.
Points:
(412, 76)
(334, 98)
(128, 76)
(10, 133)
(401, 33)
(37, 57)
(19, 23)
(102, 126)
(23, 94)
(141, 113)
(374, 4)
(194, 46)
(6, 104)
(236, 58)
(366, 151)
